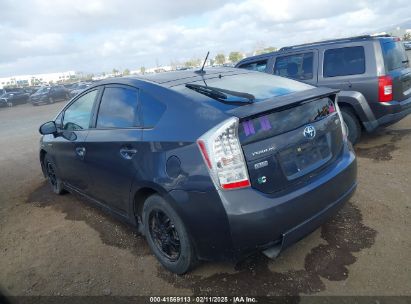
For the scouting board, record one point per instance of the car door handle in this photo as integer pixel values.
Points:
(81, 152)
(127, 153)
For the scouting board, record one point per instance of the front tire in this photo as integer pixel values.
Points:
(54, 181)
(352, 125)
(167, 236)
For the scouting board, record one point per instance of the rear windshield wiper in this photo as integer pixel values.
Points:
(223, 95)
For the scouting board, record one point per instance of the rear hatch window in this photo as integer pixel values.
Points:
(394, 54)
(397, 66)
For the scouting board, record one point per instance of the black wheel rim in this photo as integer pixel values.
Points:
(164, 235)
(51, 175)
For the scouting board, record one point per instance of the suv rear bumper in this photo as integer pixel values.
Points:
(392, 112)
(253, 221)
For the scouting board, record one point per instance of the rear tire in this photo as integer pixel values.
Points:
(54, 181)
(352, 125)
(167, 236)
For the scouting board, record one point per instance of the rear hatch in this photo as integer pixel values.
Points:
(291, 142)
(397, 66)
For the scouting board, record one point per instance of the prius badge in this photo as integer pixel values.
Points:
(309, 132)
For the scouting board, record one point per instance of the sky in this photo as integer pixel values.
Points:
(42, 36)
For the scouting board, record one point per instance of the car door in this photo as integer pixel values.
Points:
(300, 66)
(112, 147)
(68, 148)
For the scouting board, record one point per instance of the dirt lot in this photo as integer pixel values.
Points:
(54, 245)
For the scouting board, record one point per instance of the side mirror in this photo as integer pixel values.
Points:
(48, 128)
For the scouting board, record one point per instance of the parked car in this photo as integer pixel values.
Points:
(49, 95)
(78, 88)
(211, 165)
(13, 97)
(372, 72)
(407, 45)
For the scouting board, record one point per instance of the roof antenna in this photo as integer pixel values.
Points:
(201, 71)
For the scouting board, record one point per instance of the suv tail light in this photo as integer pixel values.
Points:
(223, 155)
(384, 88)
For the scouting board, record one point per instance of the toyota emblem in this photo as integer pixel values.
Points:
(309, 132)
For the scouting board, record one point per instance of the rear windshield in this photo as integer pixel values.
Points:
(260, 85)
(394, 54)
(275, 123)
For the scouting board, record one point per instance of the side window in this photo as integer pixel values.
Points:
(255, 66)
(77, 115)
(344, 61)
(152, 109)
(118, 108)
(298, 66)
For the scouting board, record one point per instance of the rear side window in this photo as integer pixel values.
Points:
(394, 54)
(118, 108)
(258, 66)
(344, 61)
(152, 109)
(298, 66)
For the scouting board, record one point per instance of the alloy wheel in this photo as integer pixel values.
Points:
(164, 235)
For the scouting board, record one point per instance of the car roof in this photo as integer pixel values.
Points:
(173, 78)
(311, 45)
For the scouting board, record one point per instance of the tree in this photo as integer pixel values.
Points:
(142, 70)
(126, 72)
(407, 36)
(266, 50)
(235, 56)
(220, 59)
(192, 63)
(115, 71)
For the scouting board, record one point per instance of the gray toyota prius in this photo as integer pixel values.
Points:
(211, 164)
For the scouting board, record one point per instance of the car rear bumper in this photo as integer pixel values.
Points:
(252, 221)
(392, 111)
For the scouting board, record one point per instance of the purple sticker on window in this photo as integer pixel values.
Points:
(265, 123)
(248, 128)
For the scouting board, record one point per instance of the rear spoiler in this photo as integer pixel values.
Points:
(278, 102)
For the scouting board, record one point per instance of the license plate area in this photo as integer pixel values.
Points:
(301, 159)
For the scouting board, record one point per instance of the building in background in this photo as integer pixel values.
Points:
(37, 79)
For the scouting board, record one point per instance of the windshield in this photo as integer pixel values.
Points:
(394, 54)
(259, 85)
(43, 90)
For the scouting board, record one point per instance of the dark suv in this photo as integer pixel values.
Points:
(208, 165)
(372, 73)
(49, 95)
(13, 97)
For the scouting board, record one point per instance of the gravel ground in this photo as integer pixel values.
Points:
(60, 245)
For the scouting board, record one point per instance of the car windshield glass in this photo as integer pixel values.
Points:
(394, 54)
(258, 85)
(43, 90)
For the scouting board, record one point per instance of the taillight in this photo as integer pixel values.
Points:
(384, 88)
(223, 155)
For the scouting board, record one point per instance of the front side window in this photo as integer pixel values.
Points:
(344, 61)
(118, 108)
(298, 66)
(258, 66)
(77, 115)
